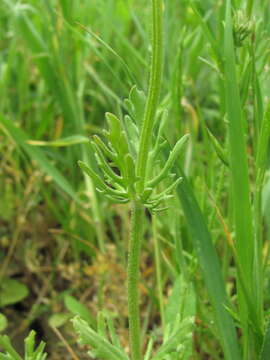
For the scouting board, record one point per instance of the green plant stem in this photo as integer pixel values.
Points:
(153, 91)
(136, 233)
(158, 269)
(250, 4)
(141, 168)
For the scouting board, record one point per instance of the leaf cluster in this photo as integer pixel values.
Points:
(117, 158)
(109, 348)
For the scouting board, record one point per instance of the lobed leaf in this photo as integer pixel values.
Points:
(105, 167)
(106, 151)
(102, 347)
(100, 184)
(5, 343)
(30, 352)
(117, 136)
(170, 162)
(135, 105)
(176, 339)
(131, 177)
(132, 135)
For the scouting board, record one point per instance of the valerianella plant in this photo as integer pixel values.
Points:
(129, 162)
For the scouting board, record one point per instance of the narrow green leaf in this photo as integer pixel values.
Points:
(238, 156)
(265, 354)
(208, 34)
(263, 143)
(243, 217)
(106, 151)
(105, 166)
(29, 344)
(100, 184)
(174, 154)
(111, 50)
(149, 349)
(68, 141)
(77, 308)
(168, 190)
(5, 343)
(21, 138)
(221, 153)
(113, 335)
(210, 266)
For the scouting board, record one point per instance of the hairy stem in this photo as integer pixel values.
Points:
(141, 168)
(158, 269)
(137, 219)
(153, 91)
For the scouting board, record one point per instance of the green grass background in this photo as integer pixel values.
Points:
(63, 64)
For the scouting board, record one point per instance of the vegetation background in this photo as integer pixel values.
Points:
(63, 64)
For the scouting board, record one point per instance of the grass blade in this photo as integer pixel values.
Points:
(21, 138)
(209, 263)
(265, 355)
(243, 219)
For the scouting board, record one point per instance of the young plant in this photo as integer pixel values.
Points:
(128, 160)
(30, 352)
